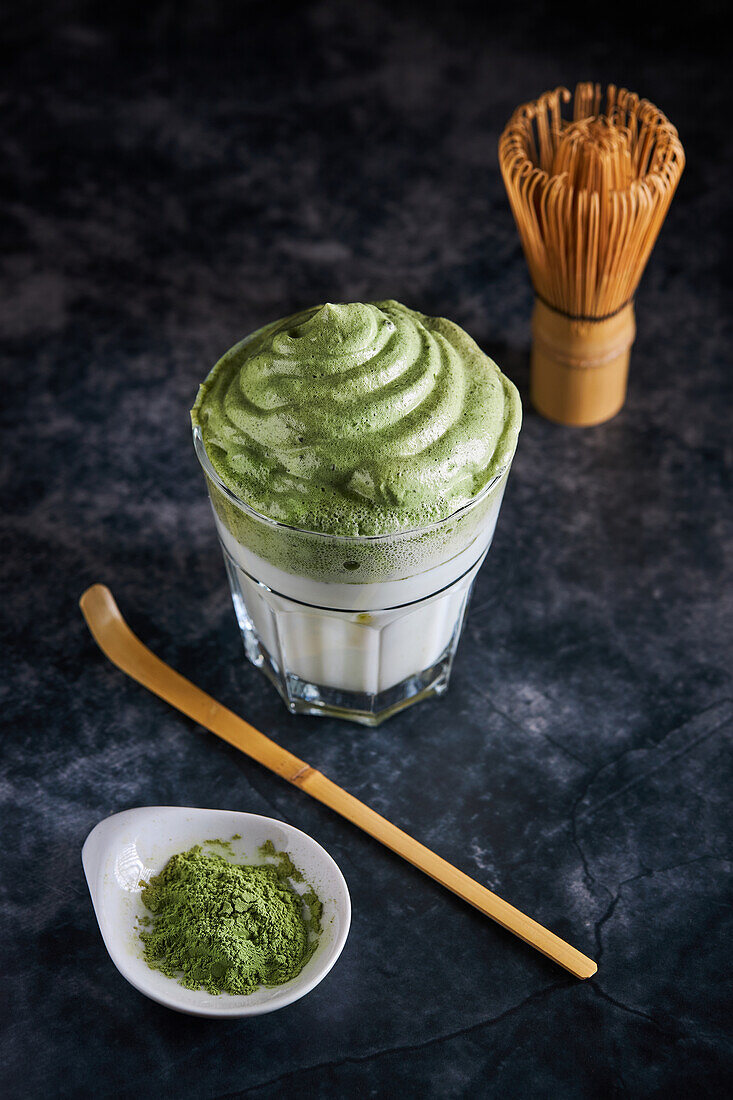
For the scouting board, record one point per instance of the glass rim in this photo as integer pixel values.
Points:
(428, 528)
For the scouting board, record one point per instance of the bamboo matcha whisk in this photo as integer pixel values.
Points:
(589, 197)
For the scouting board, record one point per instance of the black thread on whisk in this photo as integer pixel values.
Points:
(583, 316)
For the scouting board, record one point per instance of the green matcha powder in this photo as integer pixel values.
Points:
(227, 927)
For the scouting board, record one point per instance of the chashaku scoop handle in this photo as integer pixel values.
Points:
(318, 786)
(124, 649)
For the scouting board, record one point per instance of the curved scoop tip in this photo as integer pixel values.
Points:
(102, 616)
(98, 605)
(91, 594)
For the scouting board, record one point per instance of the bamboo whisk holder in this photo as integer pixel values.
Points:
(589, 196)
(579, 368)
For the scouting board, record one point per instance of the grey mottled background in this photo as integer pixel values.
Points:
(174, 175)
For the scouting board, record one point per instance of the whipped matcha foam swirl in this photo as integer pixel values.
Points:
(358, 419)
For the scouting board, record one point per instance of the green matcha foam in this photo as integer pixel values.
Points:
(357, 420)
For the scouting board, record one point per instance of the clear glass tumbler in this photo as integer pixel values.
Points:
(353, 627)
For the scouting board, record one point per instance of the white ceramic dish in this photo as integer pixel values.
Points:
(132, 846)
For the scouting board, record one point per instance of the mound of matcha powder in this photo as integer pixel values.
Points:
(227, 927)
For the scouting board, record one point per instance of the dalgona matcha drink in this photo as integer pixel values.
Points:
(356, 457)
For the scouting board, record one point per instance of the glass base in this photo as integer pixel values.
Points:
(365, 708)
(377, 662)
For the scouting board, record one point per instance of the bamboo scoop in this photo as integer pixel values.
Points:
(124, 649)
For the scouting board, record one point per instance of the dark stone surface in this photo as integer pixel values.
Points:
(172, 179)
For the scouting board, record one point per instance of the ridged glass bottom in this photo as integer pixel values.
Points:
(367, 709)
(362, 666)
